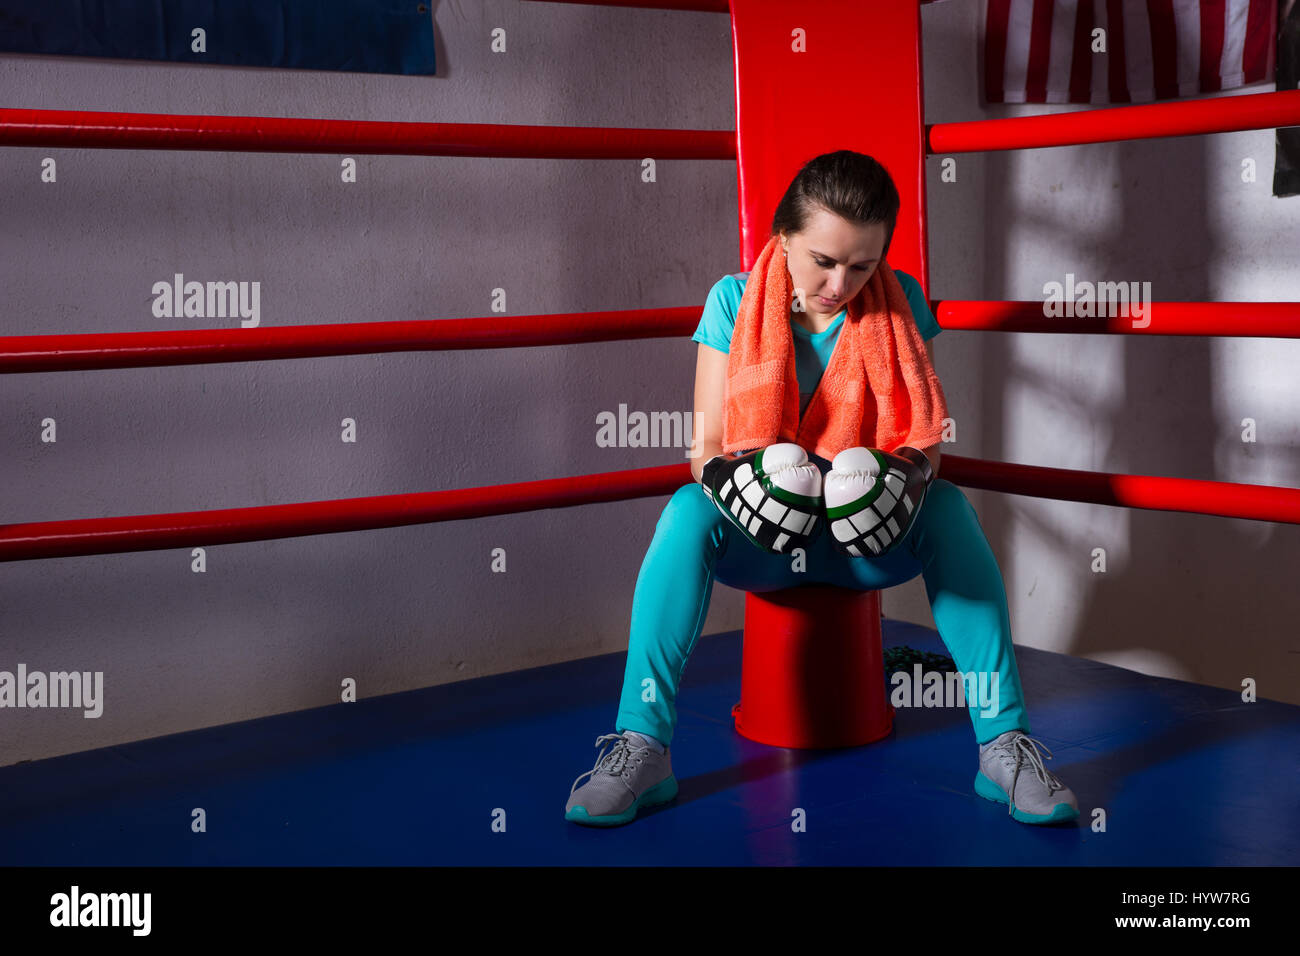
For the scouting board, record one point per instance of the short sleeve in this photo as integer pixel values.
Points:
(718, 321)
(926, 323)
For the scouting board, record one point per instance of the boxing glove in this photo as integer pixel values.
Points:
(873, 497)
(773, 495)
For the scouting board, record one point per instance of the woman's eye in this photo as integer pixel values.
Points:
(827, 265)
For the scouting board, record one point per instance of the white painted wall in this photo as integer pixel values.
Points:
(275, 626)
(1194, 597)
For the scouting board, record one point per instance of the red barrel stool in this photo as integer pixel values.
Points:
(812, 674)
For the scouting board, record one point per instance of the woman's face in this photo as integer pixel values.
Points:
(831, 260)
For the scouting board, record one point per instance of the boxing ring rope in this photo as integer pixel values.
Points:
(1227, 114)
(85, 536)
(60, 539)
(105, 350)
(93, 129)
(102, 350)
(86, 129)
(1275, 320)
(699, 6)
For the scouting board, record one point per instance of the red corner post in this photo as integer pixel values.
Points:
(813, 675)
(811, 78)
(820, 75)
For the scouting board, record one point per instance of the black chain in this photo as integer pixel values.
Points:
(903, 658)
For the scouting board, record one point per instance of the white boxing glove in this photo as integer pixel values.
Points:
(873, 497)
(773, 495)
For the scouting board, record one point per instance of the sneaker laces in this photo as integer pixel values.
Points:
(1022, 748)
(612, 763)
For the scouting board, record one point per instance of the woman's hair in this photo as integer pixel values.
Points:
(852, 185)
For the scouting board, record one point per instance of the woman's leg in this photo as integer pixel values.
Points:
(947, 546)
(693, 545)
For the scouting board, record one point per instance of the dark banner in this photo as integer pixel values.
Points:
(901, 909)
(359, 36)
(1286, 168)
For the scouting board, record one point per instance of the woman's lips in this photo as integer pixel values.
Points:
(826, 301)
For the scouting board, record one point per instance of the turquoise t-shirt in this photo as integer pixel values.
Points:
(812, 352)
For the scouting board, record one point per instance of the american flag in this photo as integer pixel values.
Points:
(1041, 51)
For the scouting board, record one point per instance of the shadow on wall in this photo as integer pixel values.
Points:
(1184, 595)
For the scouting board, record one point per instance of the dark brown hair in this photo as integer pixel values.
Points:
(852, 185)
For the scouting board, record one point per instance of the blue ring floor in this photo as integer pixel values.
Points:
(1188, 775)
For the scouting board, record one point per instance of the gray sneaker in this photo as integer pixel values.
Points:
(624, 780)
(1013, 765)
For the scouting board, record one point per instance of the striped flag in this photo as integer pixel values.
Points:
(1044, 51)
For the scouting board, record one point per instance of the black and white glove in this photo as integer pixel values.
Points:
(873, 497)
(773, 495)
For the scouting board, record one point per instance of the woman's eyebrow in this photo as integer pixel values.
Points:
(822, 255)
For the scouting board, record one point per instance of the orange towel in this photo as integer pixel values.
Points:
(879, 389)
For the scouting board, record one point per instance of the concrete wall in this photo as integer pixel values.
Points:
(1195, 597)
(276, 626)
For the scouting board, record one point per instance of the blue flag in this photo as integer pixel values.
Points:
(360, 36)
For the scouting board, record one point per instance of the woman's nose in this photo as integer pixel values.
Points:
(838, 281)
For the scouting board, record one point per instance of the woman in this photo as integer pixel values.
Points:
(821, 289)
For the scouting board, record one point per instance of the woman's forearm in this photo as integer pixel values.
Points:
(702, 452)
(932, 452)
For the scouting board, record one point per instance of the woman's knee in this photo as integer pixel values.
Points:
(689, 497)
(946, 500)
(690, 506)
(941, 489)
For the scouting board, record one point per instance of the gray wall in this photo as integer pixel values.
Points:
(1195, 597)
(275, 626)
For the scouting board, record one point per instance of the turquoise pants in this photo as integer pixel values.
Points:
(694, 545)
